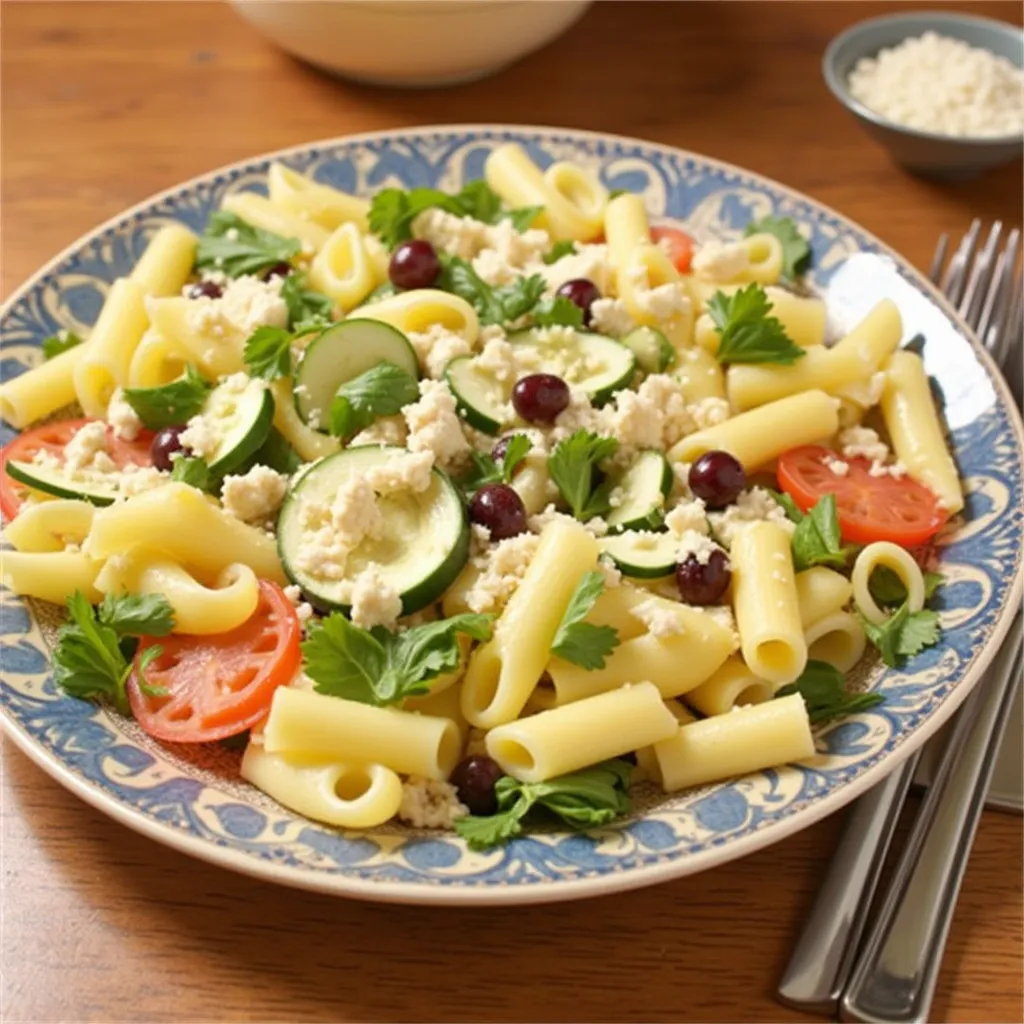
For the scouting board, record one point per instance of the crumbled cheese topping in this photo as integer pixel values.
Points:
(653, 416)
(87, 450)
(434, 425)
(721, 261)
(610, 572)
(254, 496)
(512, 251)
(837, 467)
(205, 431)
(303, 610)
(407, 472)
(657, 619)
(863, 442)
(436, 347)
(753, 506)
(612, 317)
(686, 517)
(590, 262)
(139, 479)
(595, 526)
(662, 302)
(389, 430)
(427, 803)
(697, 545)
(122, 417)
(374, 601)
(709, 412)
(501, 568)
(247, 302)
(332, 531)
(944, 86)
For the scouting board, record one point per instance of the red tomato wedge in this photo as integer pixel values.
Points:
(679, 245)
(222, 684)
(870, 507)
(52, 437)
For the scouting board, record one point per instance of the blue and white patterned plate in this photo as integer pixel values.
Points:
(196, 804)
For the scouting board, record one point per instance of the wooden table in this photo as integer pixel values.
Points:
(104, 104)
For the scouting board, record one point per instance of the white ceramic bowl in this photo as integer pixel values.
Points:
(413, 43)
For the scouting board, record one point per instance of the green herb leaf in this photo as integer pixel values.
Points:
(493, 305)
(383, 390)
(62, 341)
(278, 454)
(516, 450)
(307, 310)
(904, 634)
(748, 334)
(816, 539)
(88, 659)
(822, 687)
(268, 353)
(616, 192)
(563, 247)
(583, 799)
(888, 589)
(789, 506)
(557, 312)
(171, 404)
(580, 642)
(193, 471)
(486, 470)
(137, 614)
(796, 252)
(478, 200)
(522, 217)
(377, 667)
(149, 655)
(231, 245)
(572, 466)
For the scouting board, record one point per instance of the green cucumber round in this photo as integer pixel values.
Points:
(644, 487)
(422, 549)
(340, 354)
(62, 484)
(243, 422)
(642, 554)
(481, 401)
(654, 352)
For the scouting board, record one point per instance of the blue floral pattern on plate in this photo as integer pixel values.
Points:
(196, 803)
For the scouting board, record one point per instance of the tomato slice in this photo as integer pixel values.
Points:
(870, 507)
(52, 437)
(679, 245)
(222, 684)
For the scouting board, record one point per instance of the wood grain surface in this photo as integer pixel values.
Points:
(103, 104)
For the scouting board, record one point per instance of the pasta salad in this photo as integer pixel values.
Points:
(473, 508)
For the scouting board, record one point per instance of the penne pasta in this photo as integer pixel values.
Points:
(167, 262)
(733, 685)
(41, 390)
(301, 196)
(901, 562)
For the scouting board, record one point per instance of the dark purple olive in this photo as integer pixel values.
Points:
(717, 478)
(703, 582)
(282, 269)
(583, 292)
(499, 450)
(474, 780)
(165, 443)
(540, 397)
(500, 509)
(414, 265)
(205, 290)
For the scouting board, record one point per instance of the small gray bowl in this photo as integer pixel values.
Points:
(935, 156)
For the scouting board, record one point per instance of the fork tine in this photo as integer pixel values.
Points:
(1007, 341)
(998, 300)
(980, 278)
(953, 282)
(938, 259)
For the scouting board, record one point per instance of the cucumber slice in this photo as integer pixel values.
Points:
(642, 554)
(596, 364)
(644, 485)
(62, 484)
(341, 353)
(242, 422)
(482, 402)
(423, 547)
(654, 352)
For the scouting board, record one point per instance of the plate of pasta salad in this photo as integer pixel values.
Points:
(491, 514)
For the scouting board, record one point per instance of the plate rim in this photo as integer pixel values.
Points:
(417, 893)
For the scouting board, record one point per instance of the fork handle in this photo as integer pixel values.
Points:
(894, 978)
(823, 957)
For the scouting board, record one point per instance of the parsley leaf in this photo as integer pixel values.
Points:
(816, 539)
(572, 466)
(493, 305)
(307, 310)
(62, 341)
(903, 634)
(88, 659)
(381, 391)
(822, 687)
(748, 334)
(580, 642)
(377, 667)
(278, 454)
(193, 471)
(583, 799)
(789, 506)
(268, 353)
(487, 470)
(170, 404)
(231, 245)
(888, 589)
(563, 247)
(149, 655)
(796, 253)
(557, 312)
(393, 210)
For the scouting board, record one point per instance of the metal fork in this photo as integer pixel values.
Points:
(985, 288)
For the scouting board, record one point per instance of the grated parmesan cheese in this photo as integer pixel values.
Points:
(427, 803)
